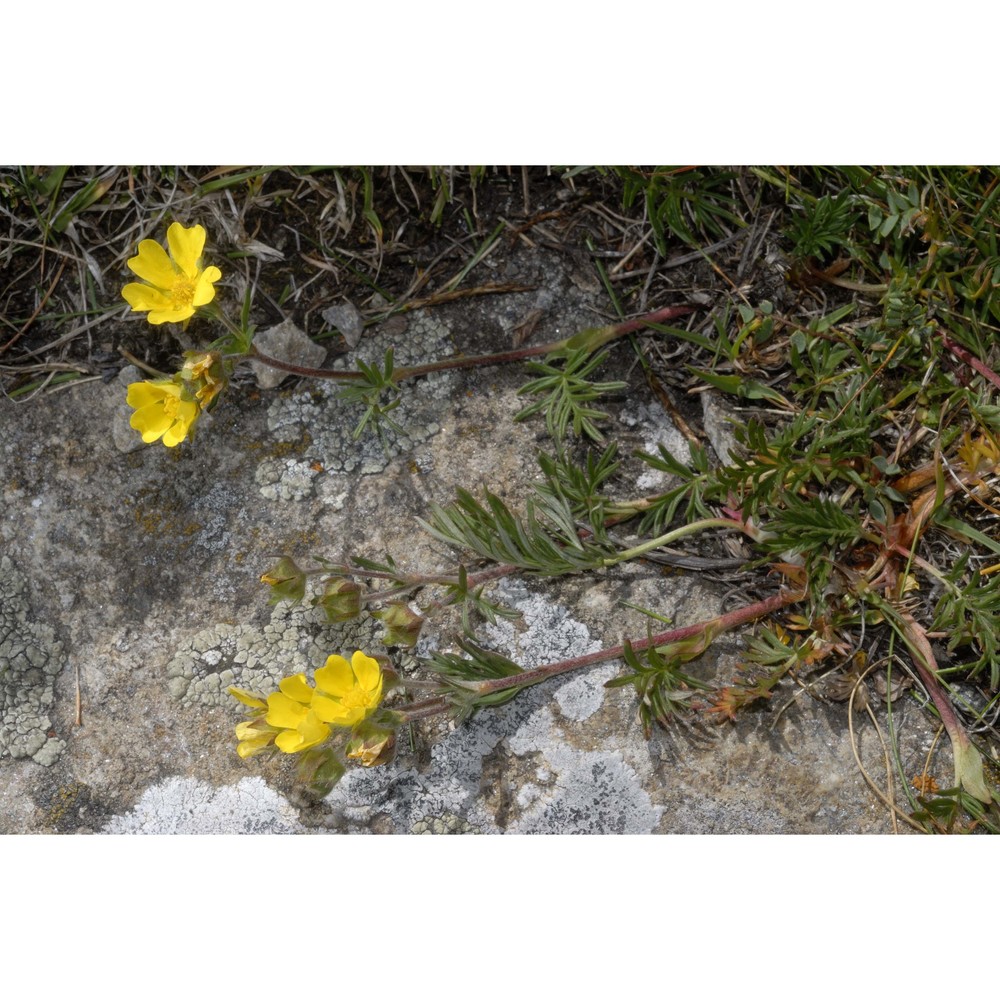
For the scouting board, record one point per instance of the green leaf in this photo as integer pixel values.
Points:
(745, 388)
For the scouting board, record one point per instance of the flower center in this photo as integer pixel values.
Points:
(182, 292)
(357, 698)
(171, 406)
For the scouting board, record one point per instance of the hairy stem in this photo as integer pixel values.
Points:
(712, 627)
(968, 763)
(602, 336)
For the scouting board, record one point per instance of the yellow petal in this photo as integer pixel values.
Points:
(144, 394)
(284, 712)
(336, 677)
(331, 711)
(336, 713)
(247, 748)
(186, 246)
(152, 264)
(309, 733)
(145, 297)
(241, 694)
(296, 688)
(248, 731)
(151, 422)
(182, 424)
(288, 742)
(312, 731)
(367, 671)
(203, 291)
(170, 314)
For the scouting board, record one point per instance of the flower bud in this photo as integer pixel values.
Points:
(320, 769)
(341, 600)
(402, 626)
(371, 745)
(286, 580)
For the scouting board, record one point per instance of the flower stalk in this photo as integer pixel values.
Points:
(702, 632)
(968, 762)
(593, 339)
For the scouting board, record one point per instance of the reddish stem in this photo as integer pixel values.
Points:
(476, 361)
(723, 623)
(970, 359)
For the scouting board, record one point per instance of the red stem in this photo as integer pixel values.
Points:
(520, 354)
(718, 625)
(970, 359)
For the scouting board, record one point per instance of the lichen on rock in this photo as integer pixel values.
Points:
(296, 640)
(185, 805)
(30, 659)
(326, 424)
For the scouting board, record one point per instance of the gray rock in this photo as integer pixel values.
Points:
(30, 659)
(346, 318)
(284, 342)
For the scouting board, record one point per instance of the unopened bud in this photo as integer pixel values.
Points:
(402, 626)
(286, 580)
(320, 769)
(341, 600)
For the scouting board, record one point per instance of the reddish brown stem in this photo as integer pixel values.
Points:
(715, 626)
(475, 361)
(970, 359)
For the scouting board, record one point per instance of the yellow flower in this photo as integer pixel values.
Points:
(254, 737)
(162, 410)
(204, 376)
(347, 692)
(177, 284)
(290, 709)
(298, 716)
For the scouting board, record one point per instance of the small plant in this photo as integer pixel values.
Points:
(820, 495)
(823, 228)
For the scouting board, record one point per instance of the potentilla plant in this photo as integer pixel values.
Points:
(849, 529)
(178, 285)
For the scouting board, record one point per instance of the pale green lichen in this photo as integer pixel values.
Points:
(296, 640)
(326, 425)
(446, 823)
(30, 659)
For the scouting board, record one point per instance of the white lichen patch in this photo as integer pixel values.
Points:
(30, 659)
(545, 632)
(184, 805)
(656, 429)
(326, 424)
(285, 479)
(296, 640)
(594, 791)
